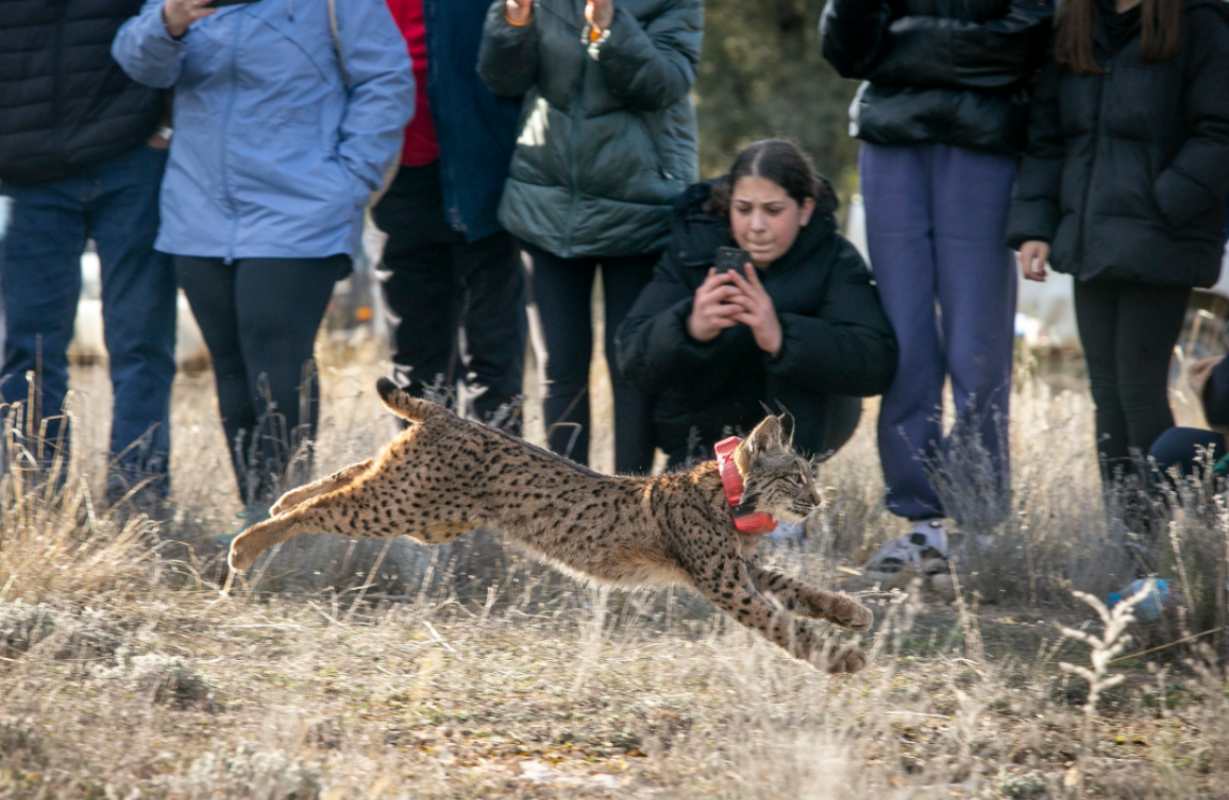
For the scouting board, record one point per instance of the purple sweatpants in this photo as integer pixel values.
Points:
(935, 218)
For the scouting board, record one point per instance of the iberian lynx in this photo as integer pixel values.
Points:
(445, 476)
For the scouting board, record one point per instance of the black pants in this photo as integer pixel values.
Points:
(563, 330)
(435, 282)
(259, 317)
(1128, 332)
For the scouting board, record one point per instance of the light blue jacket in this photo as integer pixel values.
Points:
(273, 155)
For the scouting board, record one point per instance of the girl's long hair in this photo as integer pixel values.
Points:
(1161, 29)
(784, 163)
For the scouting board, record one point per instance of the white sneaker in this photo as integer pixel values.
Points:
(921, 551)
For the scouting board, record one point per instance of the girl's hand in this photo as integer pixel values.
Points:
(1032, 259)
(1198, 373)
(599, 13)
(711, 309)
(178, 15)
(756, 310)
(518, 13)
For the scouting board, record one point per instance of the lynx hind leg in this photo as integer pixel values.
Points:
(730, 588)
(365, 509)
(337, 480)
(800, 598)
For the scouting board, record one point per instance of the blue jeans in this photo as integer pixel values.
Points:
(935, 220)
(115, 203)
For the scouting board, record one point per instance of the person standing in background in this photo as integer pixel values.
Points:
(608, 140)
(1123, 187)
(82, 157)
(285, 126)
(942, 116)
(446, 259)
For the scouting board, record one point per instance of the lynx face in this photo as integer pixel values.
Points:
(776, 480)
(783, 485)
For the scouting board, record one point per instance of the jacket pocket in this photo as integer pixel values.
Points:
(1180, 199)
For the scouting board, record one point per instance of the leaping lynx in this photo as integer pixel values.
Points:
(445, 476)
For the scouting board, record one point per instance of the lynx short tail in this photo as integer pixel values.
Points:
(400, 402)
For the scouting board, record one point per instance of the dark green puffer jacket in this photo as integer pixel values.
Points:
(608, 133)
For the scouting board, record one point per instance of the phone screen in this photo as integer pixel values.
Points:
(730, 258)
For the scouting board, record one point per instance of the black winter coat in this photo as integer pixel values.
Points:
(1127, 171)
(64, 102)
(955, 72)
(837, 342)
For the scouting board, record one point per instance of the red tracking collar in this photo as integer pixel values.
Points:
(757, 522)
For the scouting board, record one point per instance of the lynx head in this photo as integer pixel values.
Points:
(776, 480)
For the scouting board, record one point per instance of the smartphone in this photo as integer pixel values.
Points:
(731, 258)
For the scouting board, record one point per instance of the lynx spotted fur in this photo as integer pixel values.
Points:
(445, 476)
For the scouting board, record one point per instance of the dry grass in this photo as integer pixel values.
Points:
(355, 670)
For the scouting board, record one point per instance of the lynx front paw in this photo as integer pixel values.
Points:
(243, 552)
(855, 616)
(847, 659)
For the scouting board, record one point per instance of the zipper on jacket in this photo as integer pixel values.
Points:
(1092, 164)
(226, 115)
(573, 171)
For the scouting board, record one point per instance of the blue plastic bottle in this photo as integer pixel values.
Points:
(1152, 605)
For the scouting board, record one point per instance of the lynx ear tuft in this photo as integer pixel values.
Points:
(768, 435)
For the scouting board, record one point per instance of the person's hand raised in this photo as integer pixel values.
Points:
(599, 13)
(518, 12)
(711, 309)
(756, 310)
(178, 15)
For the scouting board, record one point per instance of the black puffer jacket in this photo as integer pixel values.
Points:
(837, 342)
(1127, 171)
(948, 71)
(64, 102)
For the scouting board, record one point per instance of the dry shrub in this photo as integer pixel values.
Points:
(55, 541)
(88, 634)
(21, 744)
(247, 772)
(165, 681)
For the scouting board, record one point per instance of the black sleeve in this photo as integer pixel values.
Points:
(508, 56)
(1198, 177)
(941, 51)
(654, 66)
(1034, 212)
(848, 347)
(853, 34)
(654, 350)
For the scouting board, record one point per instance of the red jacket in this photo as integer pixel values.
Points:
(421, 145)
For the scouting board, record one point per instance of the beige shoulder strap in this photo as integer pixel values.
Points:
(336, 33)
